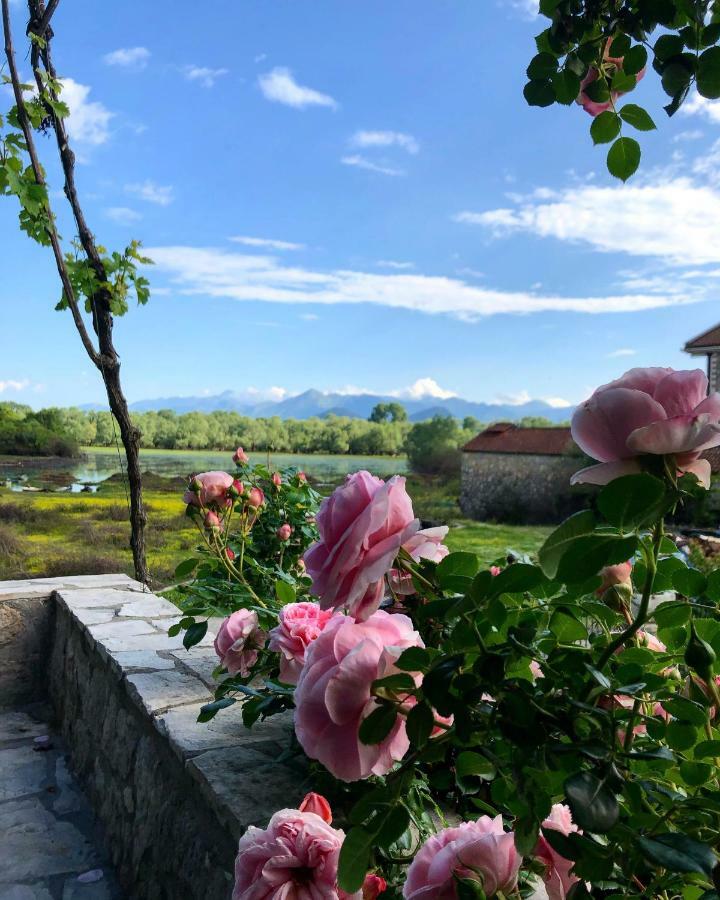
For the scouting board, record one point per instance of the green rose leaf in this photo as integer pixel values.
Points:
(567, 86)
(689, 582)
(562, 539)
(605, 127)
(542, 67)
(285, 592)
(454, 571)
(194, 634)
(354, 859)
(471, 769)
(624, 158)
(414, 659)
(678, 853)
(420, 723)
(708, 74)
(591, 553)
(593, 805)
(637, 117)
(634, 60)
(185, 568)
(539, 93)
(632, 500)
(378, 725)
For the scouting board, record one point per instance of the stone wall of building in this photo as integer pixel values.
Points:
(519, 488)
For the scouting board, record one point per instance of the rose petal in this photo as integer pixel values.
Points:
(606, 472)
(680, 392)
(678, 435)
(602, 425)
(702, 470)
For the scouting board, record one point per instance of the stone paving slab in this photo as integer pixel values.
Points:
(16, 726)
(158, 691)
(44, 587)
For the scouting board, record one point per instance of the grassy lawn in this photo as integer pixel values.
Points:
(47, 534)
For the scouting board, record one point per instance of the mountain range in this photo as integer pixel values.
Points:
(318, 403)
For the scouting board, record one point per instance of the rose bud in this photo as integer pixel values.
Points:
(301, 476)
(236, 489)
(230, 554)
(240, 457)
(255, 497)
(277, 479)
(373, 886)
(316, 803)
(284, 532)
(212, 520)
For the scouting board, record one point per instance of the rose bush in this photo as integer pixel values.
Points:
(541, 727)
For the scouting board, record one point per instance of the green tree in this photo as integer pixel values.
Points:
(434, 446)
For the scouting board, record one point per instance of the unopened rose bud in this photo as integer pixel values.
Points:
(301, 565)
(211, 520)
(495, 571)
(316, 803)
(195, 486)
(236, 489)
(699, 655)
(230, 554)
(284, 532)
(373, 886)
(276, 479)
(302, 476)
(240, 457)
(255, 497)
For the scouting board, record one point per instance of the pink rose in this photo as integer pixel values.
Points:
(480, 851)
(428, 544)
(362, 526)
(558, 872)
(255, 497)
(647, 411)
(316, 803)
(240, 457)
(495, 571)
(212, 488)
(373, 886)
(294, 858)
(300, 624)
(284, 532)
(238, 642)
(301, 476)
(611, 63)
(615, 575)
(276, 479)
(333, 693)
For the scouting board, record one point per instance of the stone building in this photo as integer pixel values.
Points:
(513, 474)
(708, 344)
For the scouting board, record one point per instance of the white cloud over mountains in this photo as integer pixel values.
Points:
(214, 272)
(279, 86)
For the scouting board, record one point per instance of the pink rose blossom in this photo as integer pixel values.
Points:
(300, 624)
(481, 851)
(558, 872)
(495, 571)
(316, 803)
(615, 575)
(428, 544)
(362, 526)
(333, 693)
(255, 497)
(301, 476)
(294, 858)
(240, 457)
(284, 532)
(647, 411)
(593, 107)
(212, 489)
(373, 886)
(238, 642)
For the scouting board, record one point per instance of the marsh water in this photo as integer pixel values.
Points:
(98, 464)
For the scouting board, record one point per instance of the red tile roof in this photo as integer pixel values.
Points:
(705, 341)
(505, 437)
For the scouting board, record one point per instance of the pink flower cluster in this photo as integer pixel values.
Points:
(610, 63)
(658, 412)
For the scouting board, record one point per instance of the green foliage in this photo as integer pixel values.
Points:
(603, 48)
(25, 433)
(434, 446)
(395, 412)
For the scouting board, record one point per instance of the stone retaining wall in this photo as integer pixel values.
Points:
(173, 795)
(519, 487)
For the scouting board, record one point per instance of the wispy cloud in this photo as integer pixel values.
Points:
(268, 243)
(529, 9)
(394, 264)
(160, 194)
(14, 384)
(522, 397)
(671, 217)
(122, 215)
(279, 86)
(128, 58)
(623, 351)
(695, 105)
(213, 272)
(385, 139)
(362, 162)
(685, 136)
(89, 120)
(203, 75)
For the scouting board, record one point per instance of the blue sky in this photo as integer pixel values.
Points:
(354, 194)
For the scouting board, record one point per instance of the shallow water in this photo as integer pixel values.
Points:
(26, 473)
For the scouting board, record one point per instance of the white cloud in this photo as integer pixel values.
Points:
(674, 219)
(203, 75)
(695, 105)
(362, 162)
(148, 190)
(393, 264)
(685, 136)
(14, 384)
(528, 8)
(280, 86)
(122, 215)
(385, 139)
(513, 399)
(557, 402)
(89, 121)
(266, 242)
(128, 57)
(309, 317)
(424, 387)
(622, 351)
(213, 272)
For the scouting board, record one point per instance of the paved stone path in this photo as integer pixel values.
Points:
(49, 839)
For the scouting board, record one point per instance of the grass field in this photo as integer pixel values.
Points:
(48, 534)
